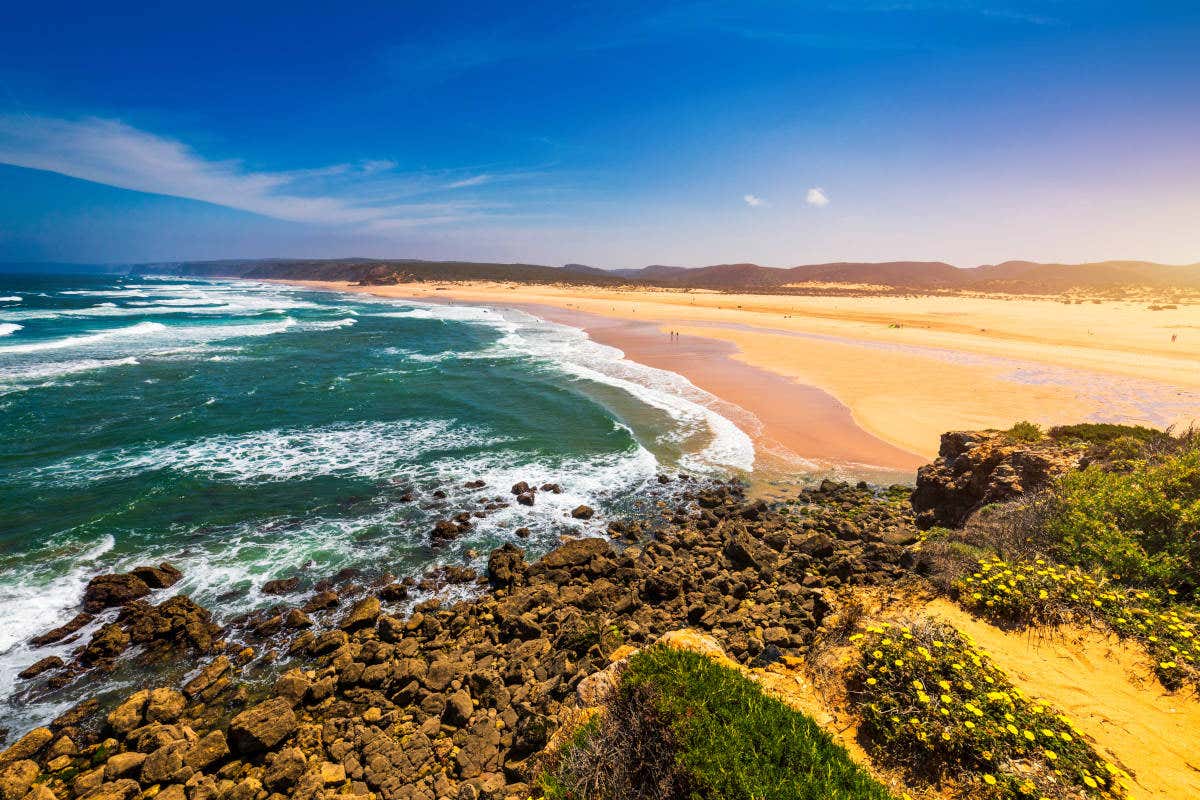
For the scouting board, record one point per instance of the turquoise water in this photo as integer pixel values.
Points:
(249, 431)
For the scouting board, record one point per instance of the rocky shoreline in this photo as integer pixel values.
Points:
(347, 696)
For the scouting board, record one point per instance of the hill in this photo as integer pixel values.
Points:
(1017, 277)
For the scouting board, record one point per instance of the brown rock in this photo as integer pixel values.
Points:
(164, 764)
(130, 714)
(63, 631)
(106, 644)
(17, 778)
(27, 746)
(321, 600)
(206, 752)
(208, 677)
(264, 726)
(38, 667)
(582, 512)
(458, 709)
(164, 705)
(283, 769)
(281, 585)
(159, 577)
(362, 615)
(122, 764)
(106, 591)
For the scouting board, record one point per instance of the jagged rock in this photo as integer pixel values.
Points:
(458, 709)
(164, 764)
(526, 498)
(444, 530)
(77, 622)
(320, 601)
(582, 512)
(281, 585)
(159, 577)
(264, 726)
(974, 469)
(27, 746)
(210, 749)
(17, 778)
(122, 764)
(164, 705)
(208, 678)
(520, 488)
(362, 615)
(106, 644)
(38, 667)
(130, 713)
(176, 622)
(117, 589)
(506, 566)
(283, 769)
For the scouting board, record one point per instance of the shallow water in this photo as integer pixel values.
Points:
(247, 432)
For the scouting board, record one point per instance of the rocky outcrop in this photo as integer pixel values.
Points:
(456, 701)
(975, 468)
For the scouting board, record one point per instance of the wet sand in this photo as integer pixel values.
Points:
(877, 379)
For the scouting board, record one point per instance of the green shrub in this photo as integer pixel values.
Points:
(702, 730)
(1106, 433)
(935, 705)
(1024, 431)
(1141, 526)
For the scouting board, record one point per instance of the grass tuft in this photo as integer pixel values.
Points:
(703, 731)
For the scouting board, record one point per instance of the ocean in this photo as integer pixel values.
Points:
(246, 432)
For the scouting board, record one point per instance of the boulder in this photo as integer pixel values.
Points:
(458, 709)
(17, 778)
(130, 714)
(975, 468)
(506, 566)
(38, 667)
(63, 631)
(27, 746)
(281, 585)
(210, 749)
(159, 577)
(263, 726)
(164, 705)
(362, 615)
(117, 589)
(582, 512)
(520, 488)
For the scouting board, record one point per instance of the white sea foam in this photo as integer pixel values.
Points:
(26, 377)
(571, 352)
(14, 298)
(43, 594)
(367, 449)
(140, 329)
(8, 328)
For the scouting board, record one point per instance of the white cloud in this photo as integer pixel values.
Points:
(816, 197)
(754, 201)
(367, 194)
(475, 180)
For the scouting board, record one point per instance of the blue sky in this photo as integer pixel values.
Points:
(616, 134)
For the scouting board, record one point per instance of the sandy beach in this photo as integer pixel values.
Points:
(875, 379)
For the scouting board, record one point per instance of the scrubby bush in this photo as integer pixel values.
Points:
(1105, 433)
(1141, 526)
(935, 705)
(682, 726)
(1039, 592)
(1024, 431)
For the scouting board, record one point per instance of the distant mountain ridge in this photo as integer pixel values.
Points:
(1020, 277)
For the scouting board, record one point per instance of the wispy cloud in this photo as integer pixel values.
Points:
(474, 180)
(754, 201)
(816, 197)
(367, 194)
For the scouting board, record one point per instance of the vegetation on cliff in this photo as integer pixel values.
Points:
(683, 726)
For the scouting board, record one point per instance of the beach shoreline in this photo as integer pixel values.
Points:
(874, 380)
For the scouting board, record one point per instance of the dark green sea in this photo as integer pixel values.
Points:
(246, 432)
